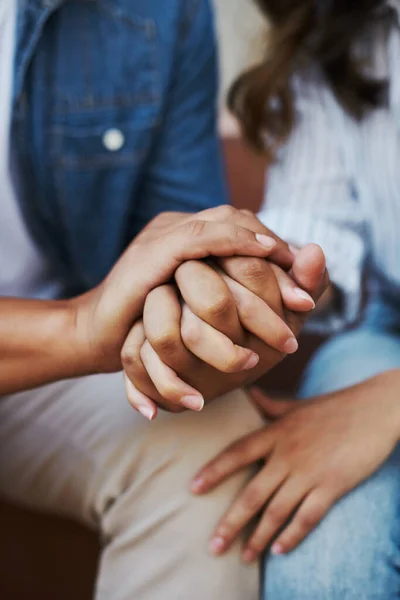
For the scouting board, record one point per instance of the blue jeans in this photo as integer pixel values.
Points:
(354, 554)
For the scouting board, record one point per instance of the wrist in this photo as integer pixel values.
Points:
(77, 322)
(390, 389)
(383, 391)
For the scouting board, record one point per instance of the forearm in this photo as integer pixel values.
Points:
(38, 344)
(385, 390)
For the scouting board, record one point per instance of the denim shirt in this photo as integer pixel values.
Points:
(114, 121)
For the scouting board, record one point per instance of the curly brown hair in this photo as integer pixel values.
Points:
(304, 32)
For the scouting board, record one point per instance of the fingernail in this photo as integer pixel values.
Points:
(147, 412)
(277, 549)
(197, 485)
(217, 545)
(252, 362)
(195, 403)
(266, 241)
(302, 294)
(248, 556)
(291, 346)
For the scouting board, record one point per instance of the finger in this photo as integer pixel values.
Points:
(162, 326)
(256, 275)
(246, 507)
(139, 401)
(281, 253)
(133, 366)
(201, 239)
(271, 408)
(242, 453)
(209, 298)
(293, 297)
(175, 391)
(277, 513)
(309, 515)
(258, 318)
(214, 348)
(309, 270)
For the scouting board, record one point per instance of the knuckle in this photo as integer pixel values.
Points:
(230, 363)
(166, 343)
(130, 358)
(308, 519)
(275, 514)
(252, 268)
(220, 305)
(168, 390)
(225, 212)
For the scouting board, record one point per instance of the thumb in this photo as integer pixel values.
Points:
(309, 270)
(270, 408)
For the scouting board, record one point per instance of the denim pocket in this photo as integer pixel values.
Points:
(107, 57)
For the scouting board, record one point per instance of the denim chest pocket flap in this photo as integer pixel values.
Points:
(106, 85)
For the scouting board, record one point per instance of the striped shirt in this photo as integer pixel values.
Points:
(337, 182)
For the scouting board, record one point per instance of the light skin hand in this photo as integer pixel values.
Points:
(314, 453)
(166, 350)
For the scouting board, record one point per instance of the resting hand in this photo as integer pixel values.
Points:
(314, 452)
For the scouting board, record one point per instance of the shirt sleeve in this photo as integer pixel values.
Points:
(311, 197)
(186, 169)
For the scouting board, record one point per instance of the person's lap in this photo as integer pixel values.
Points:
(355, 552)
(77, 448)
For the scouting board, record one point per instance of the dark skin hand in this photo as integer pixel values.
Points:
(313, 453)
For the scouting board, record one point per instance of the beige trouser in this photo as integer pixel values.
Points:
(77, 448)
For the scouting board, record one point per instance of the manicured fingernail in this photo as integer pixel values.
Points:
(193, 402)
(147, 412)
(197, 485)
(217, 545)
(302, 294)
(266, 241)
(252, 362)
(291, 346)
(248, 556)
(277, 549)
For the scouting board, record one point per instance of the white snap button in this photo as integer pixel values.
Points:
(113, 140)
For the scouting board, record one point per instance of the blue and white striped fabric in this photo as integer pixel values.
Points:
(337, 181)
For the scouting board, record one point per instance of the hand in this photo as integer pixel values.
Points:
(161, 355)
(104, 316)
(314, 453)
